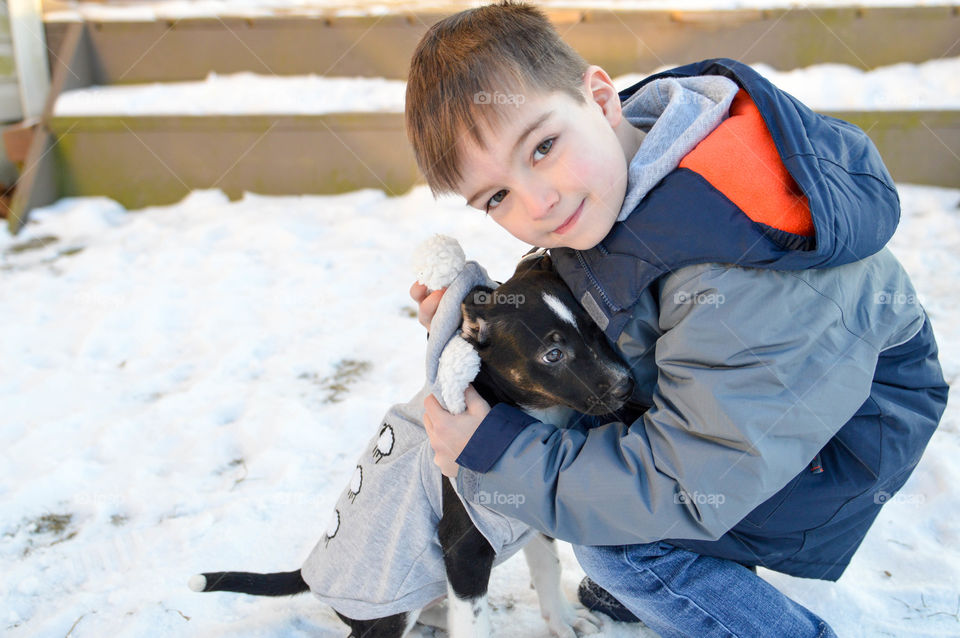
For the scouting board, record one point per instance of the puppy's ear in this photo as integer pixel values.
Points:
(474, 308)
(532, 263)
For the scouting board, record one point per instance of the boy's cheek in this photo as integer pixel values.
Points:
(519, 231)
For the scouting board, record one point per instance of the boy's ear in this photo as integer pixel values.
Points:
(475, 328)
(598, 87)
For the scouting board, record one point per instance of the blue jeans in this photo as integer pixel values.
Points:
(680, 594)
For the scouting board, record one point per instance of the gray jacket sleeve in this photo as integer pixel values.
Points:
(756, 371)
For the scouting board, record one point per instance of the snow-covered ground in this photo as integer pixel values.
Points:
(187, 387)
(932, 85)
(173, 9)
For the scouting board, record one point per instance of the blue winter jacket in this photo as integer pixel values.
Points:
(789, 375)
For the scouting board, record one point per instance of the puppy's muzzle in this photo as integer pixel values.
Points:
(620, 389)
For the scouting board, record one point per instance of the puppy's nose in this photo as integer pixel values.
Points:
(623, 390)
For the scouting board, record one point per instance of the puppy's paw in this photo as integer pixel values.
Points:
(586, 623)
(570, 621)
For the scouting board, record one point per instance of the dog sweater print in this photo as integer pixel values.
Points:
(379, 554)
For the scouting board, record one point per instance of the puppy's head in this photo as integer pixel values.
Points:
(540, 347)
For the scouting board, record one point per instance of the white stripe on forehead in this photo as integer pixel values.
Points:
(561, 311)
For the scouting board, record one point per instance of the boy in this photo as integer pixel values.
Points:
(730, 242)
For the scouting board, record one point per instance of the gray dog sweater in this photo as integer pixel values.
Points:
(380, 554)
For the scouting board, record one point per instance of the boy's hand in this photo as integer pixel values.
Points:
(426, 303)
(450, 433)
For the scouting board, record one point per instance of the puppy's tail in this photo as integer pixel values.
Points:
(278, 584)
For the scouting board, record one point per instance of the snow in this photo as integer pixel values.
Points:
(934, 84)
(167, 378)
(931, 85)
(186, 388)
(179, 9)
(238, 94)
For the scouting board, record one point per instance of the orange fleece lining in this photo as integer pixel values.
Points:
(740, 160)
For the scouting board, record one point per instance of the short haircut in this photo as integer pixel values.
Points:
(461, 68)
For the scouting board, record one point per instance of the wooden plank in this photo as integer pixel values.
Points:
(188, 49)
(157, 160)
(77, 65)
(37, 185)
(629, 42)
(622, 41)
(921, 147)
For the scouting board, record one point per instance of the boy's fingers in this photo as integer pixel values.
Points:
(418, 291)
(428, 307)
(427, 423)
(474, 401)
(431, 407)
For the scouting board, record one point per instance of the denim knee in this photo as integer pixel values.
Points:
(594, 559)
(603, 562)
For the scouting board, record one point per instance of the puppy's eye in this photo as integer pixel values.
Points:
(553, 356)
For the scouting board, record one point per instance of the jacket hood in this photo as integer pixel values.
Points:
(852, 199)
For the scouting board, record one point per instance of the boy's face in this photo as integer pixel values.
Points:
(554, 171)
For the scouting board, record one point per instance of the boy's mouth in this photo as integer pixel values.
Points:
(565, 226)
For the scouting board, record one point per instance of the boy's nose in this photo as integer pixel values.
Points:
(541, 202)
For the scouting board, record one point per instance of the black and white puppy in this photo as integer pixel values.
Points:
(542, 352)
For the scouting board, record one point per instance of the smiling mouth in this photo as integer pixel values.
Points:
(565, 226)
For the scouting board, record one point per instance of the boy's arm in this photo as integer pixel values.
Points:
(736, 415)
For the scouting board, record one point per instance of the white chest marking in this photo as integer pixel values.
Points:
(558, 415)
(559, 309)
(467, 618)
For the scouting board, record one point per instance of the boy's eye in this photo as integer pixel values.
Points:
(494, 201)
(543, 148)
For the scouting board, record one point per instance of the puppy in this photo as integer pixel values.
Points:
(540, 351)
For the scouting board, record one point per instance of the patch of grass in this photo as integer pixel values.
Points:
(118, 519)
(56, 525)
(346, 372)
(37, 243)
(52, 524)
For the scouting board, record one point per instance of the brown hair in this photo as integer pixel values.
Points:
(502, 49)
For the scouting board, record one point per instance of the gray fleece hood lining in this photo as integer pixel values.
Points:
(677, 114)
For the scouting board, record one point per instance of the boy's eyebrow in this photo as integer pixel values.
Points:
(520, 140)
